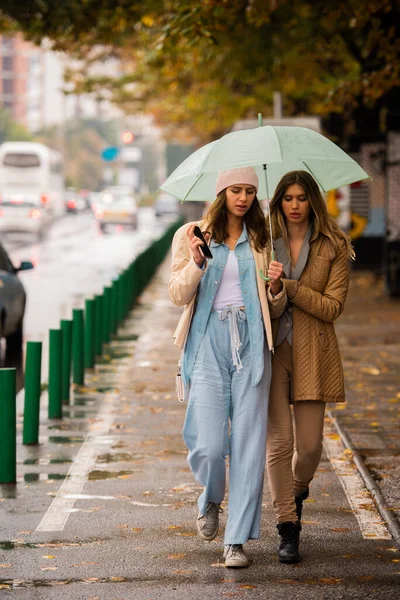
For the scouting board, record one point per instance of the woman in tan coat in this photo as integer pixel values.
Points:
(306, 368)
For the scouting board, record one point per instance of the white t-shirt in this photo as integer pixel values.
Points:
(229, 291)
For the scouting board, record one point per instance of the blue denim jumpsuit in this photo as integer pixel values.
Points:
(228, 404)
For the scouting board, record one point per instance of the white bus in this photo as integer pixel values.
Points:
(31, 187)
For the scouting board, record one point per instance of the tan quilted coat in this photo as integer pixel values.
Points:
(318, 299)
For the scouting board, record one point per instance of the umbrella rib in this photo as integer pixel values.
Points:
(279, 143)
(314, 175)
(197, 180)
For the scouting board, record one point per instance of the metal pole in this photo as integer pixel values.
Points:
(33, 365)
(55, 375)
(66, 328)
(8, 426)
(78, 372)
(90, 324)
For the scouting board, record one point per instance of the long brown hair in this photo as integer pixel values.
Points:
(216, 219)
(321, 221)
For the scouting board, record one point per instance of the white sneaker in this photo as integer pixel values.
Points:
(235, 556)
(208, 524)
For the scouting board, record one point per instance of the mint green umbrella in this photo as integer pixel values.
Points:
(281, 149)
(272, 152)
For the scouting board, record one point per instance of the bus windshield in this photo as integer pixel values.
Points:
(21, 160)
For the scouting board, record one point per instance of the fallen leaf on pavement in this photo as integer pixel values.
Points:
(176, 556)
(48, 568)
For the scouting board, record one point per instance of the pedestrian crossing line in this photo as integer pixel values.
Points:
(361, 503)
(60, 509)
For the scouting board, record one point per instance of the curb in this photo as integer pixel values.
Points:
(369, 482)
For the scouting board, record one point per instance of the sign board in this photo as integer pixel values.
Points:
(131, 154)
(109, 154)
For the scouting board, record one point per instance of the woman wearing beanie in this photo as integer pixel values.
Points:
(226, 334)
(306, 367)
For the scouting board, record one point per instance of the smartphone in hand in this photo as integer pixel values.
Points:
(206, 250)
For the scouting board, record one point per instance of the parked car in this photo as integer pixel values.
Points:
(25, 213)
(12, 304)
(116, 208)
(165, 204)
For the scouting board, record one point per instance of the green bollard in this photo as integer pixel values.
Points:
(107, 311)
(33, 366)
(66, 328)
(98, 347)
(104, 321)
(101, 320)
(55, 374)
(114, 306)
(8, 426)
(120, 300)
(90, 324)
(78, 371)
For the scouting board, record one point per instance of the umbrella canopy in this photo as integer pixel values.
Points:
(281, 149)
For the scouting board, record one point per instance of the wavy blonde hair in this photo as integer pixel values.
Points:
(321, 221)
(216, 221)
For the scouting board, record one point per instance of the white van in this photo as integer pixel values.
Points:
(31, 187)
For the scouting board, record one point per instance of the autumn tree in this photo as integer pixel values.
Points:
(199, 65)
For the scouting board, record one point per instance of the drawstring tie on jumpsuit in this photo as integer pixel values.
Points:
(235, 315)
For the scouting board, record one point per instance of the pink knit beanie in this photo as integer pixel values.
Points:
(229, 177)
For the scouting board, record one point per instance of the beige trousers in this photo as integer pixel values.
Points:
(294, 441)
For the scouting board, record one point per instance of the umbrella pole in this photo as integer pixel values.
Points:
(270, 222)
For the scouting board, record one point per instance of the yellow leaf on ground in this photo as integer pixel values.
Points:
(136, 528)
(370, 370)
(176, 556)
(48, 556)
(5, 566)
(48, 568)
(330, 580)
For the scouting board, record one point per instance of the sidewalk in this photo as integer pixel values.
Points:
(369, 338)
(105, 506)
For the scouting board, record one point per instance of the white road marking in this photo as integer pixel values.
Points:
(59, 510)
(363, 507)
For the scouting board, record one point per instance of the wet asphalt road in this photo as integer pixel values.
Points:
(74, 262)
(116, 463)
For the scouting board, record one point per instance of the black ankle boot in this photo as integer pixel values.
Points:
(289, 548)
(299, 502)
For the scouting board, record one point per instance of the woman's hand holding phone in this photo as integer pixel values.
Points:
(196, 243)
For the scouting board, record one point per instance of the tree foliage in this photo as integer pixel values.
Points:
(198, 65)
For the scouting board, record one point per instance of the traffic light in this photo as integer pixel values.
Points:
(127, 137)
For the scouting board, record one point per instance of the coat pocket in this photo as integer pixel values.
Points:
(320, 268)
(322, 334)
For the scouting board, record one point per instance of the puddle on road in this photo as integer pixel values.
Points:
(83, 401)
(119, 457)
(47, 461)
(9, 545)
(126, 338)
(73, 439)
(97, 475)
(35, 477)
